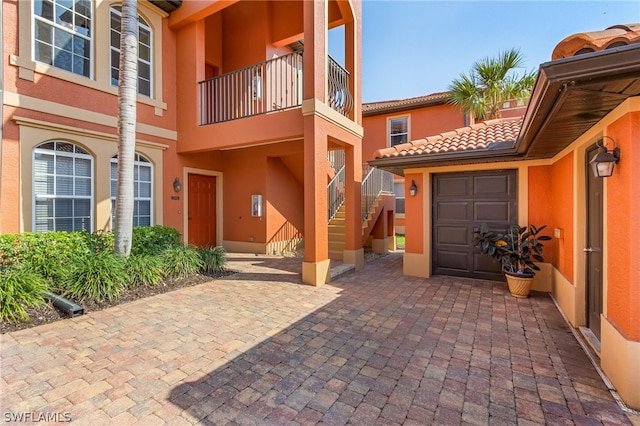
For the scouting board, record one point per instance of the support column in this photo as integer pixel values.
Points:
(353, 252)
(315, 50)
(315, 268)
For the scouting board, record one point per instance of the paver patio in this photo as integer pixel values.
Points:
(258, 347)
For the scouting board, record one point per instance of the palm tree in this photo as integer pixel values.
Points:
(490, 83)
(127, 98)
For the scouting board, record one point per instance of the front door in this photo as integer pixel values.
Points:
(202, 210)
(593, 249)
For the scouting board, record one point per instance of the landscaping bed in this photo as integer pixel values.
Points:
(48, 313)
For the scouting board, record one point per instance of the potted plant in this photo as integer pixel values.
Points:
(515, 250)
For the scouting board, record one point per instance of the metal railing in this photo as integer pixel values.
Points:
(339, 97)
(287, 239)
(268, 86)
(375, 183)
(336, 158)
(257, 89)
(335, 193)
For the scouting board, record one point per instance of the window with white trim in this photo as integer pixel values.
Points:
(62, 34)
(142, 190)
(398, 130)
(144, 51)
(62, 187)
(398, 190)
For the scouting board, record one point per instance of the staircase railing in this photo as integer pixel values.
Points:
(335, 193)
(375, 183)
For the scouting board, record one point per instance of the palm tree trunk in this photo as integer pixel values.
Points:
(127, 96)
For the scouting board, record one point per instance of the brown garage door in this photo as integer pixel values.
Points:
(462, 201)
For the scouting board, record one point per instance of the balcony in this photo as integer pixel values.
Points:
(269, 86)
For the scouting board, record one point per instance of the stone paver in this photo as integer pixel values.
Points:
(258, 347)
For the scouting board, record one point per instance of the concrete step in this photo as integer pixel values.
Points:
(341, 269)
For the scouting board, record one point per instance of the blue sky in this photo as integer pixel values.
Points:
(416, 47)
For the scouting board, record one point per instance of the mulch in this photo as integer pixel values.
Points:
(47, 313)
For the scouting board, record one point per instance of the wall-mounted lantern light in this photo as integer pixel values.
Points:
(413, 189)
(603, 162)
(177, 186)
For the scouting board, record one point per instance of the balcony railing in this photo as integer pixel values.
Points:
(265, 87)
(257, 89)
(339, 96)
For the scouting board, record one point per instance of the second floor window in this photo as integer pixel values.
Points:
(144, 51)
(62, 34)
(398, 130)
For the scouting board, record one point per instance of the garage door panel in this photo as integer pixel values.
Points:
(492, 211)
(484, 263)
(493, 186)
(453, 186)
(461, 202)
(453, 260)
(453, 210)
(451, 235)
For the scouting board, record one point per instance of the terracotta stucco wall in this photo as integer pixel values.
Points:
(414, 206)
(623, 219)
(423, 122)
(285, 201)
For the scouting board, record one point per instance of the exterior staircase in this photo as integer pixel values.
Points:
(375, 184)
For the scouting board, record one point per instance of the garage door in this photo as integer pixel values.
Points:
(461, 202)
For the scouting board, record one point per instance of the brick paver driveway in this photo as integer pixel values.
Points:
(260, 348)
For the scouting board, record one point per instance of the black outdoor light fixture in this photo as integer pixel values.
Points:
(603, 162)
(177, 186)
(413, 189)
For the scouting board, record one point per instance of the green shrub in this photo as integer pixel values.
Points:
(97, 276)
(213, 258)
(47, 253)
(144, 270)
(181, 261)
(154, 239)
(20, 288)
(99, 241)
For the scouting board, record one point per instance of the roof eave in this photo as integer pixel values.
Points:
(555, 78)
(397, 165)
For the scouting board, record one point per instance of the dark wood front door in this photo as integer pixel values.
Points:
(461, 202)
(202, 210)
(593, 249)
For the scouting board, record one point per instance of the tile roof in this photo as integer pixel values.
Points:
(500, 133)
(372, 108)
(594, 41)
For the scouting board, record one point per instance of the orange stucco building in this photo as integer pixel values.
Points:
(239, 110)
(538, 170)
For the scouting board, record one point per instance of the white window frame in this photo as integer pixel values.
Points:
(399, 191)
(142, 25)
(137, 164)
(389, 129)
(73, 155)
(68, 30)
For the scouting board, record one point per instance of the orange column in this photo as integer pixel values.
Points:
(416, 259)
(315, 268)
(315, 49)
(353, 253)
(353, 59)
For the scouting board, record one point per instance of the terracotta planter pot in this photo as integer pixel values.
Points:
(519, 284)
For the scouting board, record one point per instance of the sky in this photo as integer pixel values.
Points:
(417, 47)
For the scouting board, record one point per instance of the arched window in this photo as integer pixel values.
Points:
(62, 187)
(144, 51)
(63, 34)
(142, 190)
